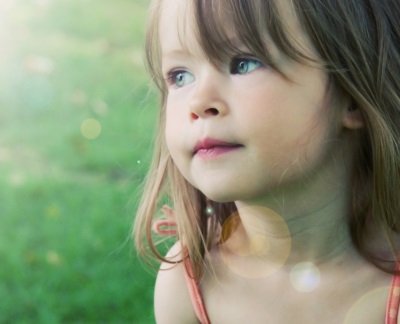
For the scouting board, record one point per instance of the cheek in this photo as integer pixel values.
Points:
(291, 142)
(171, 136)
(171, 125)
(175, 137)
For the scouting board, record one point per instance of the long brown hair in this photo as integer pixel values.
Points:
(358, 43)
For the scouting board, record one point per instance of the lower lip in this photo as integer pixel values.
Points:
(216, 151)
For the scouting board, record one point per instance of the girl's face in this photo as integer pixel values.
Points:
(241, 129)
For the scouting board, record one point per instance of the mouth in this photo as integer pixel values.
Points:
(211, 147)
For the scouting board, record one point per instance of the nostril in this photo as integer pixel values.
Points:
(194, 116)
(212, 111)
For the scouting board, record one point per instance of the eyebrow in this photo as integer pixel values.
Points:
(235, 41)
(235, 45)
(175, 52)
(175, 55)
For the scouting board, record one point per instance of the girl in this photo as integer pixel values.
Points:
(279, 150)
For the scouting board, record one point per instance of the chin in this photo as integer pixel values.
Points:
(223, 195)
(218, 195)
(220, 199)
(225, 189)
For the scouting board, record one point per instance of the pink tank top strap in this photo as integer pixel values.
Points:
(195, 293)
(167, 227)
(392, 309)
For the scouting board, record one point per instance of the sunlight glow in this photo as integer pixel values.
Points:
(6, 35)
(260, 254)
(305, 277)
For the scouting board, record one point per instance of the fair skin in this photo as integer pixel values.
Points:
(288, 174)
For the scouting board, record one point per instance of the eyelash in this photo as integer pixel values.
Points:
(236, 61)
(171, 76)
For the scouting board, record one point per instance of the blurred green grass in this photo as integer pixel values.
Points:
(67, 191)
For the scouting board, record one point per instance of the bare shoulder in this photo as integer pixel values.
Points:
(172, 302)
(372, 297)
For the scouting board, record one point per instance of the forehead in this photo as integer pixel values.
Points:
(205, 27)
(176, 25)
(273, 22)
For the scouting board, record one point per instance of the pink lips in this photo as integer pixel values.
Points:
(210, 147)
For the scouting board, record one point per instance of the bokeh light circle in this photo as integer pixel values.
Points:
(358, 312)
(305, 277)
(90, 128)
(264, 252)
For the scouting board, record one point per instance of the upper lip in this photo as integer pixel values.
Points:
(209, 143)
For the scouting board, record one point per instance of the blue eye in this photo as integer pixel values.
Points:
(244, 65)
(180, 78)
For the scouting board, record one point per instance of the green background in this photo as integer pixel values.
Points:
(76, 121)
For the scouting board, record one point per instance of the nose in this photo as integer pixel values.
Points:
(208, 98)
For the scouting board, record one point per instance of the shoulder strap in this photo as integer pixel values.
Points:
(166, 227)
(195, 293)
(392, 309)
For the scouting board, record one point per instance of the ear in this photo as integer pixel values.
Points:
(353, 119)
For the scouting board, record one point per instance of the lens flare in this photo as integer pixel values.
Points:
(259, 251)
(209, 211)
(358, 312)
(305, 277)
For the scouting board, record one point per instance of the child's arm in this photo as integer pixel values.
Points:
(171, 296)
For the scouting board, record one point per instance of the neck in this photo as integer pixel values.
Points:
(307, 223)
